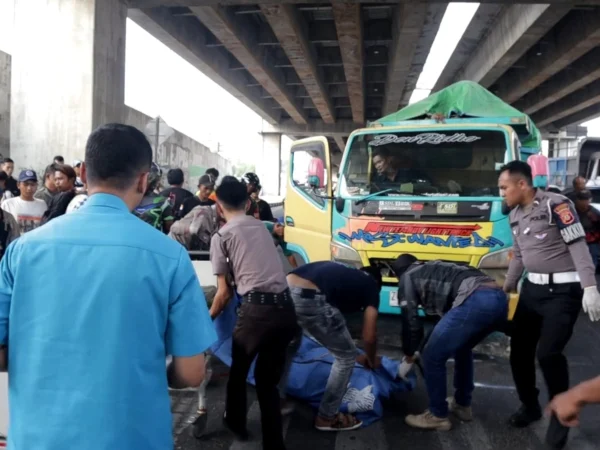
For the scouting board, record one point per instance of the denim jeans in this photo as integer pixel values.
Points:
(325, 324)
(461, 329)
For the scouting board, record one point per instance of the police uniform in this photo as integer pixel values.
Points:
(549, 243)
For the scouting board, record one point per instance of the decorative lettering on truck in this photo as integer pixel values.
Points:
(423, 138)
(453, 236)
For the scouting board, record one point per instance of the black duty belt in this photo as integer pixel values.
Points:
(268, 298)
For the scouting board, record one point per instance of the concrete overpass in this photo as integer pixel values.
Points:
(306, 67)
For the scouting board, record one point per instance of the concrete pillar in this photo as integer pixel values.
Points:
(68, 76)
(268, 168)
(4, 104)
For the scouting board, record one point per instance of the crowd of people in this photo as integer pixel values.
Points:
(93, 301)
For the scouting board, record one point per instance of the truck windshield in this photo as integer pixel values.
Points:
(448, 163)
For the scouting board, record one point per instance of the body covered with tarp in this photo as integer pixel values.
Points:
(462, 100)
(310, 370)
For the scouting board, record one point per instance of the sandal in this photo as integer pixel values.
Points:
(341, 422)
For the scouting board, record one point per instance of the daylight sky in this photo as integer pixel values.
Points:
(158, 82)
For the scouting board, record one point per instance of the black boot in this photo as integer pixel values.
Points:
(557, 434)
(525, 416)
(241, 434)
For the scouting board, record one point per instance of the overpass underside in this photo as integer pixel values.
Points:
(310, 68)
(306, 67)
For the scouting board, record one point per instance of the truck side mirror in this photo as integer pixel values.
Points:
(340, 202)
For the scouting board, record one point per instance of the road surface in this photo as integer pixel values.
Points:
(494, 400)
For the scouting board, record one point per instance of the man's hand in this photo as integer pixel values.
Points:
(591, 303)
(407, 365)
(566, 408)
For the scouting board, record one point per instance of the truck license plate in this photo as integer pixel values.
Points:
(394, 298)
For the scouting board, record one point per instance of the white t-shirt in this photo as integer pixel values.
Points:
(27, 214)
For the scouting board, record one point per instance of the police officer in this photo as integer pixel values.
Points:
(549, 243)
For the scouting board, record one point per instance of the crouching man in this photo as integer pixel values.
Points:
(323, 291)
(471, 306)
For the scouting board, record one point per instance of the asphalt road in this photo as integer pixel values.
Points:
(494, 400)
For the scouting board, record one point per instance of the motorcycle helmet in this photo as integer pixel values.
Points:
(251, 179)
(154, 177)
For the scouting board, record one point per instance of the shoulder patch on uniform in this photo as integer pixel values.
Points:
(564, 213)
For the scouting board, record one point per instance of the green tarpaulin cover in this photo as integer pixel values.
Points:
(463, 99)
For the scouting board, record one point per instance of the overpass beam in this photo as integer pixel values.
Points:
(68, 76)
(241, 41)
(517, 29)
(339, 140)
(569, 105)
(589, 113)
(341, 128)
(407, 26)
(572, 38)
(348, 24)
(290, 30)
(270, 164)
(186, 36)
(579, 74)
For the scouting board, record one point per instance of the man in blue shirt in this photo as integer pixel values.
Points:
(91, 304)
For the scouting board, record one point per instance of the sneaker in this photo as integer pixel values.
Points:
(428, 421)
(525, 416)
(464, 413)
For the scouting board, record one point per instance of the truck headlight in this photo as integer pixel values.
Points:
(345, 254)
(496, 260)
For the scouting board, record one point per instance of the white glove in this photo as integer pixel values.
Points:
(406, 367)
(591, 303)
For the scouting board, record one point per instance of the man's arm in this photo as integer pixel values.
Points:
(515, 268)
(567, 406)
(221, 269)
(14, 230)
(222, 297)
(369, 335)
(412, 327)
(189, 328)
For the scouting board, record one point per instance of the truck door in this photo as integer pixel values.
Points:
(308, 199)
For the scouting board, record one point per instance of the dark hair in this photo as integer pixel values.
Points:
(3, 175)
(578, 177)
(520, 168)
(583, 195)
(375, 272)
(212, 171)
(7, 160)
(116, 154)
(50, 169)
(175, 176)
(232, 194)
(59, 159)
(381, 152)
(66, 170)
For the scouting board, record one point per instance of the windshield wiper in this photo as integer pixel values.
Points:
(386, 191)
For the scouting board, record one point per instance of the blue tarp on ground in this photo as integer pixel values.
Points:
(310, 370)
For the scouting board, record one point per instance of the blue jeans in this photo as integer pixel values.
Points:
(461, 329)
(327, 325)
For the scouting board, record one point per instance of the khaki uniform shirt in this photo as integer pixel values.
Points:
(548, 238)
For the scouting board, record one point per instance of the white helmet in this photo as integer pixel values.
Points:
(76, 203)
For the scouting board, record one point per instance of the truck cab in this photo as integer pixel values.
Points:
(420, 187)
